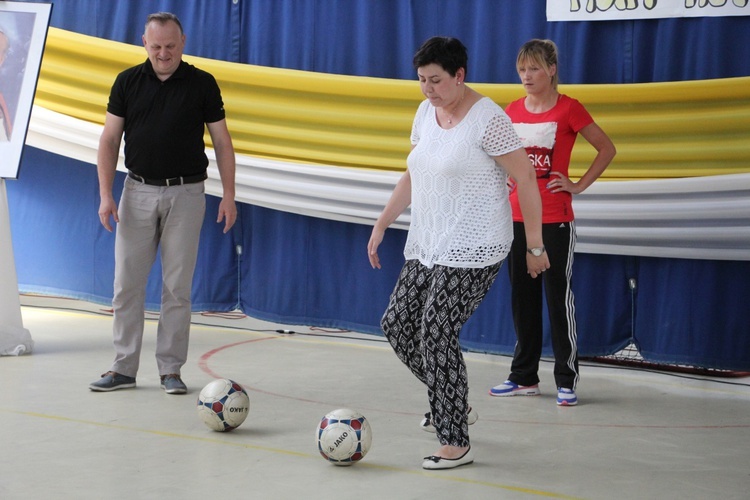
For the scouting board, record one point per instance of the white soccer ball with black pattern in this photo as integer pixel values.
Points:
(343, 437)
(223, 405)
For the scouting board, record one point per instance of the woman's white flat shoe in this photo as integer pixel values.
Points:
(436, 463)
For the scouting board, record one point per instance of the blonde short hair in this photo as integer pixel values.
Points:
(541, 52)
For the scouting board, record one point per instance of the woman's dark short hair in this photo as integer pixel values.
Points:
(447, 52)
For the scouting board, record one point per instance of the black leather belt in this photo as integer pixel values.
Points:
(174, 181)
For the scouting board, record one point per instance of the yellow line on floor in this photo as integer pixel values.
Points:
(441, 476)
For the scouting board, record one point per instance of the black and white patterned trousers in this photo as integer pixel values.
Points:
(425, 314)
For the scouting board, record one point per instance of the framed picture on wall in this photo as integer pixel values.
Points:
(23, 32)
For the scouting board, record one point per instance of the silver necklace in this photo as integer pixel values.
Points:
(450, 116)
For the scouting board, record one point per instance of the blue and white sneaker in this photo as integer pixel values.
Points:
(509, 388)
(566, 397)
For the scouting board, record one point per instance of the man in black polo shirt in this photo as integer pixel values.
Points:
(161, 106)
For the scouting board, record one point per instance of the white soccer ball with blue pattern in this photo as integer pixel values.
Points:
(343, 437)
(223, 405)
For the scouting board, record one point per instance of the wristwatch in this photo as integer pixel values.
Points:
(536, 252)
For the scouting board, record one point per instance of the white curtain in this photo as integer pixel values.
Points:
(697, 217)
(14, 338)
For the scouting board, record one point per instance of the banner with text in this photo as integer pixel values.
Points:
(609, 10)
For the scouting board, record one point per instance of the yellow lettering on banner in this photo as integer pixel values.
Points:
(689, 4)
(593, 6)
(605, 5)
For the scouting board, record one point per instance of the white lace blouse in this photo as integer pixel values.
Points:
(460, 214)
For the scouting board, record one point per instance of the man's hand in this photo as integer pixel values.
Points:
(108, 208)
(227, 213)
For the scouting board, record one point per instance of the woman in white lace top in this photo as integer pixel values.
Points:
(464, 148)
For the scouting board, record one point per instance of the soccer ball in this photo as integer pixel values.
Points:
(223, 405)
(343, 436)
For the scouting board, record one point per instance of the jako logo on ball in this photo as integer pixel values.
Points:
(343, 437)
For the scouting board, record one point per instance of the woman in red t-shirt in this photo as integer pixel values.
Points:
(548, 123)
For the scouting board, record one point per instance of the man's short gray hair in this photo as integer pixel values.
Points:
(163, 18)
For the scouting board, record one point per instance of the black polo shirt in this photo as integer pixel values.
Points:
(165, 121)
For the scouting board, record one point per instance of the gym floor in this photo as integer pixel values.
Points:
(636, 434)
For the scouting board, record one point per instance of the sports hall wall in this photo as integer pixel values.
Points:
(320, 95)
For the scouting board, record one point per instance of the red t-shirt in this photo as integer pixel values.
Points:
(549, 138)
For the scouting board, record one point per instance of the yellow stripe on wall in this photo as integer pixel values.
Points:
(661, 130)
